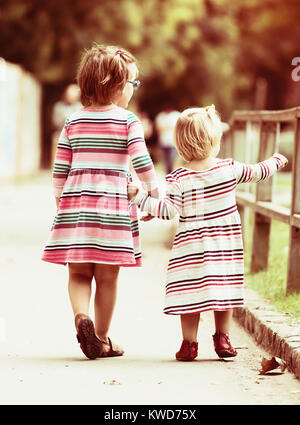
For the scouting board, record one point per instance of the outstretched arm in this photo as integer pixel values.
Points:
(246, 173)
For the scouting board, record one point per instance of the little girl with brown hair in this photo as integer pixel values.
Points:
(206, 267)
(95, 230)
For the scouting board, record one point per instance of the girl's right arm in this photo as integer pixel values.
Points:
(246, 173)
(62, 163)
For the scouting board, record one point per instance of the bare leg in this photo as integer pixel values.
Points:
(106, 277)
(80, 279)
(223, 321)
(189, 326)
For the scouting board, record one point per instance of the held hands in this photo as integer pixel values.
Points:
(147, 217)
(132, 190)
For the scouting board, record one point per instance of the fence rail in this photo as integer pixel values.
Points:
(240, 144)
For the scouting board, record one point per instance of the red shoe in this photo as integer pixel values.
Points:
(223, 346)
(188, 351)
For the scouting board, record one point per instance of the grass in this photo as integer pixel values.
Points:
(271, 284)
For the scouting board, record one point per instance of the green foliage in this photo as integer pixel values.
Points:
(268, 34)
(47, 37)
(190, 51)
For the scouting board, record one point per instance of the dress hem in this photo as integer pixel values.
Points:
(178, 312)
(63, 263)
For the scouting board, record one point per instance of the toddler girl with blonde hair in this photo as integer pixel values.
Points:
(206, 267)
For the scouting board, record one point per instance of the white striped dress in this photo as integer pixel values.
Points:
(206, 267)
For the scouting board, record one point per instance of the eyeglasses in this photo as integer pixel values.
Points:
(136, 84)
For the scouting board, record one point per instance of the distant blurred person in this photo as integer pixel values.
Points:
(165, 123)
(70, 102)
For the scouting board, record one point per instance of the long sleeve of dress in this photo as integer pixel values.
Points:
(137, 149)
(246, 173)
(62, 163)
(166, 208)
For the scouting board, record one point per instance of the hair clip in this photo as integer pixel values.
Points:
(119, 52)
(210, 109)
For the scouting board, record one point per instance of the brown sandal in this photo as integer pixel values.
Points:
(114, 350)
(91, 346)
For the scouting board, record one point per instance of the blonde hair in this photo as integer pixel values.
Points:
(103, 73)
(197, 132)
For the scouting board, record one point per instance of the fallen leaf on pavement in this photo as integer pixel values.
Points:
(112, 382)
(271, 364)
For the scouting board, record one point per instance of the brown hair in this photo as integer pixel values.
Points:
(103, 73)
(197, 132)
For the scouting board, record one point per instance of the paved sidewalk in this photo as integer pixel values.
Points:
(40, 359)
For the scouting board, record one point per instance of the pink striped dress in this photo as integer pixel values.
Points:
(95, 221)
(206, 267)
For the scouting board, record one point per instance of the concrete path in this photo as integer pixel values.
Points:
(40, 359)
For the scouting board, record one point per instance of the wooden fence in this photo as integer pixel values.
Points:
(240, 143)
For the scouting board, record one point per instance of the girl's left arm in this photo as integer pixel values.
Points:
(141, 160)
(246, 173)
(62, 163)
(166, 208)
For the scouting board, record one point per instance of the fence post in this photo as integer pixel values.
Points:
(262, 224)
(293, 271)
(244, 211)
(238, 152)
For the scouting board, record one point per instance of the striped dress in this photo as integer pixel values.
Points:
(95, 221)
(206, 266)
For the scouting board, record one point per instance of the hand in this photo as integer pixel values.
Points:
(57, 199)
(147, 217)
(132, 190)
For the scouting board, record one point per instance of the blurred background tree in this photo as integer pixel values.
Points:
(235, 54)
